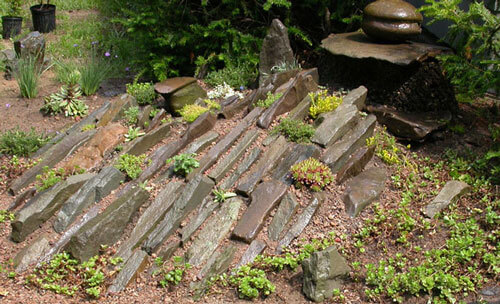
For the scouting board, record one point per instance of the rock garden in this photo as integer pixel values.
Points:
(322, 164)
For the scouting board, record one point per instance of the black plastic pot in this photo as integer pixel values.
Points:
(44, 17)
(11, 26)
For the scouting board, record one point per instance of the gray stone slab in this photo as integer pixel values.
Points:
(214, 232)
(167, 251)
(242, 167)
(157, 120)
(144, 116)
(202, 142)
(356, 97)
(91, 192)
(204, 211)
(338, 154)
(265, 197)
(270, 139)
(31, 253)
(159, 157)
(450, 193)
(301, 111)
(335, 125)
(355, 164)
(255, 248)
(107, 227)
(191, 197)
(286, 210)
(218, 173)
(116, 110)
(363, 189)
(128, 273)
(266, 163)
(299, 152)
(41, 207)
(144, 143)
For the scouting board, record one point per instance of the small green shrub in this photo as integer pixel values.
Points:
(191, 112)
(133, 133)
(27, 74)
(49, 178)
(20, 143)
(251, 282)
(295, 130)
(212, 104)
(154, 112)
(322, 103)
(221, 195)
(66, 100)
(130, 164)
(235, 76)
(270, 99)
(174, 276)
(132, 115)
(6, 216)
(144, 93)
(184, 163)
(311, 173)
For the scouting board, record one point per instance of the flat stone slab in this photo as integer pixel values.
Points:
(205, 210)
(116, 110)
(41, 207)
(91, 192)
(108, 226)
(357, 45)
(356, 97)
(242, 168)
(302, 221)
(144, 143)
(335, 125)
(159, 157)
(134, 265)
(214, 232)
(450, 193)
(265, 197)
(31, 253)
(363, 189)
(299, 152)
(184, 96)
(286, 210)
(173, 84)
(255, 248)
(301, 111)
(202, 142)
(355, 164)
(204, 123)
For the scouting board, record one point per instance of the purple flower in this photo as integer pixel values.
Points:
(95, 42)
(127, 69)
(75, 45)
(242, 88)
(22, 46)
(107, 54)
(8, 105)
(116, 56)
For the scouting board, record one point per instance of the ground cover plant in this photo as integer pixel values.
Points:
(295, 130)
(144, 93)
(311, 173)
(20, 143)
(184, 163)
(130, 164)
(192, 111)
(322, 102)
(269, 100)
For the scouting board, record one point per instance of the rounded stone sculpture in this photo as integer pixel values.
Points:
(391, 20)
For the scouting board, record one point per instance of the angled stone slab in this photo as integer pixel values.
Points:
(171, 85)
(270, 138)
(255, 248)
(335, 125)
(299, 152)
(267, 162)
(21, 198)
(225, 143)
(286, 210)
(204, 211)
(31, 253)
(265, 197)
(116, 109)
(355, 164)
(301, 111)
(242, 167)
(202, 142)
(51, 157)
(184, 96)
(191, 197)
(338, 154)
(450, 193)
(218, 173)
(214, 232)
(156, 121)
(302, 221)
(144, 143)
(159, 157)
(144, 117)
(278, 79)
(128, 273)
(43, 206)
(356, 97)
(231, 109)
(149, 219)
(107, 227)
(363, 189)
(91, 192)
(204, 123)
(167, 251)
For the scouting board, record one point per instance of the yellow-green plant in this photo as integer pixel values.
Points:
(321, 102)
(212, 104)
(270, 99)
(191, 112)
(311, 173)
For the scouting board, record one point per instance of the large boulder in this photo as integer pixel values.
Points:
(179, 91)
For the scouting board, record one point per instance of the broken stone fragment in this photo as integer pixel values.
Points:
(450, 193)
(363, 189)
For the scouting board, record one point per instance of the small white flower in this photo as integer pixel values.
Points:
(223, 90)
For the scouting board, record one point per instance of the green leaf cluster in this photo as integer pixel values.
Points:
(174, 276)
(67, 100)
(295, 130)
(184, 163)
(251, 282)
(192, 111)
(270, 99)
(130, 164)
(20, 143)
(131, 115)
(144, 93)
(311, 173)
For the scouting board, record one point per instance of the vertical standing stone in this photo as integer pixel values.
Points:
(288, 207)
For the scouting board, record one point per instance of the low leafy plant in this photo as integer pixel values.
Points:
(6, 216)
(234, 76)
(321, 102)
(251, 282)
(174, 276)
(311, 173)
(130, 164)
(270, 99)
(184, 163)
(144, 92)
(212, 104)
(133, 133)
(221, 195)
(49, 178)
(154, 112)
(286, 66)
(190, 112)
(67, 100)
(295, 130)
(20, 143)
(27, 73)
(132, 115)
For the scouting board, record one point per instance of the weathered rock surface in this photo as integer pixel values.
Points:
(335, 125)
(204, 211)
(279, 148)
(144, 143)
(286, 210)
(242, 167)
(116, 110)
(356, 97)
(218, 173)
(108, 226)
(184, 96)
(450, 193)
(265, 197)
(355, 164)
(323, 272)
(135, 264)
(299, 152)
(204, 123)
(144, 118)
(301, 110)
(159, 157)
(32, 44)
(168, 250)
(31, 253)
(41, 207)
(302, 221)
(255, 248)
(91, 192)
(171, 85)
(231, 109)
(202, 142)
(212, 234)
(338, 154)
(157, 120)
(363, 189)
(276, 49)
(191, 197)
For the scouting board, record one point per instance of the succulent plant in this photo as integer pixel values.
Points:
(311, 173)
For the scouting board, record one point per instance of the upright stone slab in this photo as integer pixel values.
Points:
(107, 227)
(159, 157)
(204, 123)
(191, 197)
(41, 207)
(337, 155)
(265, 197)
(204, 211)
(117, 107)
(255, 248)
(32, 44)
(214, 232)
(302, 221)
(144, 143)
(202, 142)
(91, 192)
(356, 97)
(129, 271)
(156, 121)
(336, 125)
(450, 193)
(286, 210)
(299, 152)
(356, 163)
(242, 168)
(31, 253)
(279, 148)
(301, 111)
(218, 173)
(363, 189)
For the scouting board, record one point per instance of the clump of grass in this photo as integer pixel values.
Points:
(93, 73)
(20, 143)
(295, 130)
(27, 74)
